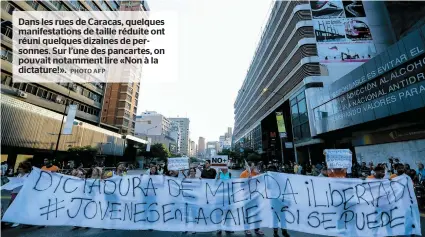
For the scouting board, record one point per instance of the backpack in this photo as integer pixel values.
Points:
(230, 175)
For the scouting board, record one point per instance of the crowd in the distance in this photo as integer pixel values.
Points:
(388, 170)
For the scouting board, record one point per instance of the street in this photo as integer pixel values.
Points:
(69, 231)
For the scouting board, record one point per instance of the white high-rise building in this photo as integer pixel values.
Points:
(160, 129)
(221, 141)
(201, 147)
(152, 123)
(175, 133)
(184, 129)
(229, 132)
(192, 148)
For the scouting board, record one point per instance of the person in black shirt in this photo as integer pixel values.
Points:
(208, 172)
(364, 170)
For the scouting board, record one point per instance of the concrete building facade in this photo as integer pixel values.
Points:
(121, 99)
(192, 148)
(310, 50)
(38, 108)
(201, 146)
(152, 123)
(160, 129)
(183, 124)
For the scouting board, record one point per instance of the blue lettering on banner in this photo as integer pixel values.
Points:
(317, 205)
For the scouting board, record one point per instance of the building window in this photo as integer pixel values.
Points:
(7, 30)
(93, 6)
(105, 6)
(31, 89)
(40, 92)
(114, 5)
(9, 8)
(6, 54)
(6, 79)
(299, 117)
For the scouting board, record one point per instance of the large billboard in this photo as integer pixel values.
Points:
(390, 84)
(281, 124)
(342, 32)
(327, 9)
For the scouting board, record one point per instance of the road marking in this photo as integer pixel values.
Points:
(5, 197)
(422, 214)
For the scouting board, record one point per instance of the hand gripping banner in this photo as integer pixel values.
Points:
(319, 205)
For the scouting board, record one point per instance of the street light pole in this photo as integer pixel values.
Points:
(266, 90)
(281, 148)
(147, 131)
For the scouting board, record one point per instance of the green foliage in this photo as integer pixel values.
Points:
(232, 154)
(193, 159)
(225, 152)
(253, 157)
(80, 149)
(81, 154)
(158, 151)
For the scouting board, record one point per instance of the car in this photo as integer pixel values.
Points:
(235, 166)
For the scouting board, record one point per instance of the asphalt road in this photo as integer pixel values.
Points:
(69, 231)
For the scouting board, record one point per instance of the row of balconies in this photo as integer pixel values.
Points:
(288, 37)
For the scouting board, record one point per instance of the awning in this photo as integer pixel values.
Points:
(135, 139)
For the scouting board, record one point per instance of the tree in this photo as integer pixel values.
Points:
(84, 153)
(158, 151)
(225, 152)
(193, 159)
(253, 157)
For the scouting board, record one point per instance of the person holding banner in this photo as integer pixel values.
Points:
(153, 171)
(95, 173)
(48, 166)
(121, 170)
(208, 172)
(421, 172)
(24, 169)
(191, 175)
(251, 171)
(224, 174)
(399, 170)
(273, 168)
(378, 174)
(150, 167)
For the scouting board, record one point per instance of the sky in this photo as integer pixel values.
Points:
(216, 42)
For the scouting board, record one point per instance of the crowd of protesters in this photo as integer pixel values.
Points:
(363, 170)
(388, 170)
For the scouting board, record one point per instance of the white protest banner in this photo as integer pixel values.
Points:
(318, 205)
(13, 183)
(219, 161)
(178, 163)
(338, 158)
